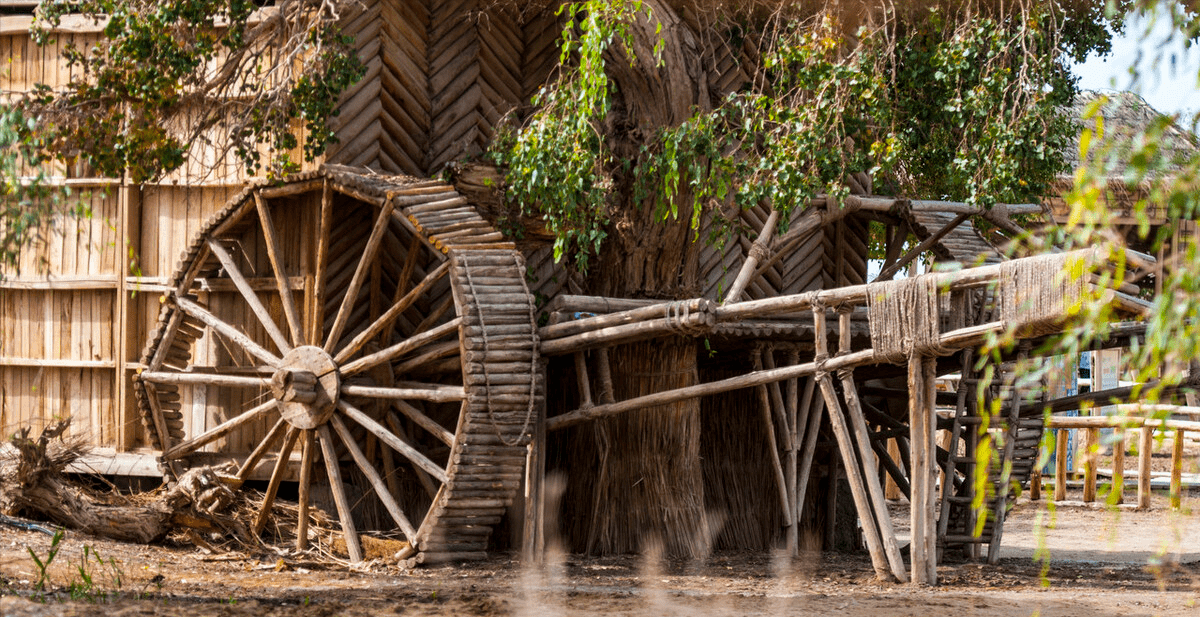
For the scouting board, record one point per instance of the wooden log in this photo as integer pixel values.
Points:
(858, 426)
(642, 313)
(438, 394)
(595, 304)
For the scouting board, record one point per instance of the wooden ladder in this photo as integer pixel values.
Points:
(958, 520)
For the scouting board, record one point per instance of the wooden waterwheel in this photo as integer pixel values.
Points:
(375, 328)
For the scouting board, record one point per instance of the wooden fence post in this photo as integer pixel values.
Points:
(1117, 494)
(1177, 470)
(1145, 442)
(1060, 465)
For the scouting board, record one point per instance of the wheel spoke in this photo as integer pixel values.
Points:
(360, 273)
(230, 332)
(281, 463)
(410, 264)
(285, 292)
(420, 392)
(391, 314)
(422, 420)
(376, 481)
(316, 311)
(306, 461)
(437, 352)
(434, 315)
(261, 449)
(248, 293)
(205, 379)
(396, 443)
(217, 431)
(426, 482)
(401, 348)
(345, 516)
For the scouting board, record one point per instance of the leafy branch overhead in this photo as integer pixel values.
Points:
(958, 101)
(168, 75)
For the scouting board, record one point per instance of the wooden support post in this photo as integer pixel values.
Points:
(125, 331)
(1117, 494)
(891, 490)
(1060, 465)
(764, 401)
(1035, 484)
(1089, 465)
(922, 548)
(1177, 470)
(858, 425)
(846, 446)
(1145, 446)
(748, 267)
(916, 251)
(792, 401)
(831, 499)
(810, 446)
(534, 532)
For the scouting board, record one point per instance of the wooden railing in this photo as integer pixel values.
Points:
(1132, 420)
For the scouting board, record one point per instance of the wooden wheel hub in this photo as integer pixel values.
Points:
(306, 386)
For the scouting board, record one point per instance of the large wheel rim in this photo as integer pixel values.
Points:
(409, 356)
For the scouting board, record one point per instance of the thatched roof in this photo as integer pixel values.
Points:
(1126, 117)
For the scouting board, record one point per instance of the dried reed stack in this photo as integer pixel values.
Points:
(738, 480)
(636, 478)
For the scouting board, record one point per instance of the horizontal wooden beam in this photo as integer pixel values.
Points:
(99, 282)
(956, 339)
(56, 363)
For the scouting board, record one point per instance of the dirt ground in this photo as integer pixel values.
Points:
(1102, 562)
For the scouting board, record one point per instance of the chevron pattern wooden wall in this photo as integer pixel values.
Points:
(440, 75)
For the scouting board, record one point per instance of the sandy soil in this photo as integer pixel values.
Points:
(1101, 563)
